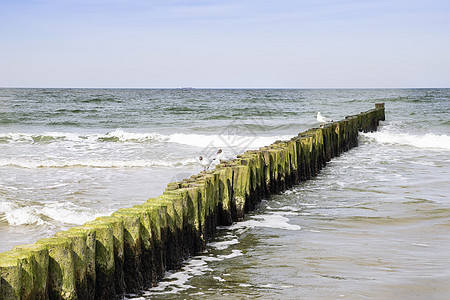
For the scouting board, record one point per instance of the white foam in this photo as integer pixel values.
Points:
(92, 163)
(220, 279)
(16, 215)
(126, 136)
(426, 141)
(224, 245)
(267, 220)
(120, 135)
(233, 254)
(197, 266)
(226, 140)
(48, 136)
(68, 214)
(176, 282)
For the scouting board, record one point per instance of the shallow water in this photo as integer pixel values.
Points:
(373, 224)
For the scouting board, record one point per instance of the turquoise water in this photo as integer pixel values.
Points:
(373, 224)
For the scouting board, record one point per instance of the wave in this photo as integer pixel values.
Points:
(16, 215)
(93, 163)
(225, 140)
(119, 135)
(426, 141)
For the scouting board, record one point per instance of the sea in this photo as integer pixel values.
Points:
(374, 224)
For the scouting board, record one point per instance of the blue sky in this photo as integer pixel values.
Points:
(225, 43)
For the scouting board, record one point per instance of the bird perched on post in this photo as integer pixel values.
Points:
(323, 119)
(204, 162)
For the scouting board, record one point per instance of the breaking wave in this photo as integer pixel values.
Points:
(426, 141)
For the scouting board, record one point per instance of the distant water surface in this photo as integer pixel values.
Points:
(373, 224)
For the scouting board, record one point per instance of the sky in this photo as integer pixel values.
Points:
(225, 43)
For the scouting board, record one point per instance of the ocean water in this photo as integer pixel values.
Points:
(374, 223)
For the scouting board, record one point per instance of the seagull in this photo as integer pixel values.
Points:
(219, 156)
(323, 119)
(204, 162)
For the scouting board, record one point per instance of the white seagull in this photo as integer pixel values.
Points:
(204, 162)
(323, 119)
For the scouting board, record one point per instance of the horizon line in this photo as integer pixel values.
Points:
(223, 88)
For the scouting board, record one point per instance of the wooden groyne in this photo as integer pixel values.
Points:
(131, 249)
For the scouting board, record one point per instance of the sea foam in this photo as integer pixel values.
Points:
(276, 221)
(92, 163)
(16, 215)
(426, 141)
(120, 135)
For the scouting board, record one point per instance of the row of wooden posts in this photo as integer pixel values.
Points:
(131, 249)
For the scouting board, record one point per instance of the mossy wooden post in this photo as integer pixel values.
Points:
(132, 248)
(250, 190)
(61, 268)
(78, 239)
(334, 144)
(171, 243)
(211, 182)
(283, 165)
(347, 136)
(352, 131)
(306, 146)
(267, 171)
(185, 227)
(241, 190)
(380, 108)
(320, 148)
(150, 237)
(90, 258)
(119, 256)
(293, 162)
(207, 202)
(344, 135)
(40, 273)
(146, 265)
(327, 142)
(27, 271)
(179, 204)
(225, 193)
(314, 165)
(298, 158)
(197, 192)
(10, 275)
(195, 195)
(275, 169)
(290, 151)
(104, 259)
(254, 161)
(188, 200)
(279, 165)
(158, 218)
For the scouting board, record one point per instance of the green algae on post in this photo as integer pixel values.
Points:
(104, 259)
(40, 269)
(61, 270)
